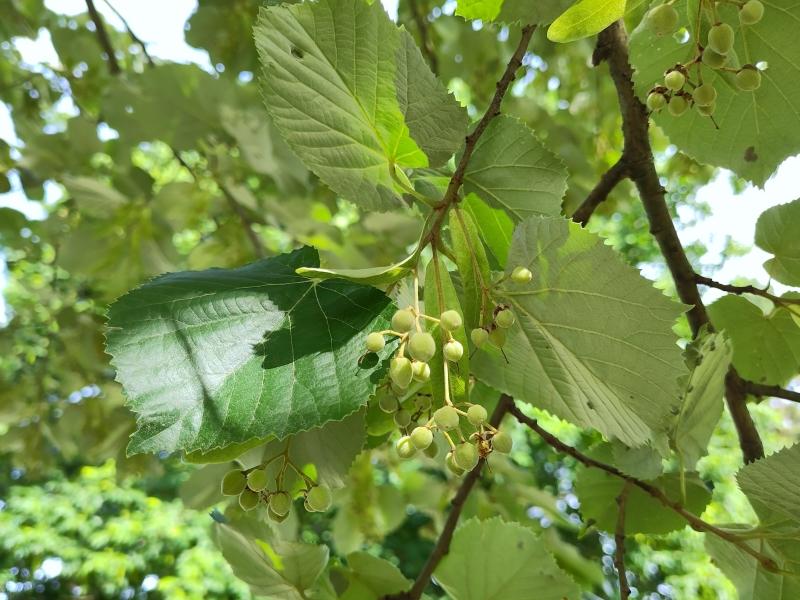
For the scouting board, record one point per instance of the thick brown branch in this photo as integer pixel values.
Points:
(135, 38)
(456, 506)
(424, 36)
(693, 520)
(601, 191)
(770, 391)
(612, 47)
(619, 538)
(102, 37)
(745, 289)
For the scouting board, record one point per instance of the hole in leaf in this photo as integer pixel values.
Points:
(296, 52)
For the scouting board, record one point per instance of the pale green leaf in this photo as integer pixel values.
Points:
(756, 130)
(222, 455)
(212, 358)
(701, 403)
(371, 578)
(495, 226)
(495, 559)
(598, 491)
(772, 484)
(511, 169)
(299, 567)
(585, 18)
(777, 233)
(351, 97)
(93, 197)
(643, 462)
(473, 267)
(512, 12)
(594, 342)
(766, 348)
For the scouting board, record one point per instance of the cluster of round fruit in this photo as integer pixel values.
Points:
(495, 333)
(679, 91)
(250, 485)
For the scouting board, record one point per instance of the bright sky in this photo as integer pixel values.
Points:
(160, 24)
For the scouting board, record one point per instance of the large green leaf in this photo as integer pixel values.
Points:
(777, 233)
(585, 18)
(594, 342)
(757, 130)
(701, 403)
(512, 11)
(511, 169)
(473, 266)
(495, 226)
(371, 578)
(495, 559)
(766, 348)
(212, 358)
(772, 484)
(352, 96)
(295, 569)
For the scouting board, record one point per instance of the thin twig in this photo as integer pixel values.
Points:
(247, 225)
(619, 539)
(693, 520)
(102, 37)
(509, 75)
(745, 289)
(135, 38)
(456, 506)
(771, 391)
(612, 47)
(424, 36)
(601, 191)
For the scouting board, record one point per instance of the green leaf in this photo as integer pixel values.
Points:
(511, 169)
(598, 491)
(585, 18)
(473, 266)
(593, 342)
(495, 226)
(495, 559)
(93, 197)
(757, 130)
(300, 564)
(752, 581)
(772, 484)
(351, 96)
(766, 348)
(440, 295)
(776, 233)
(212, 358)
(701, 404)
(511, 12)
(371, 578)
(643, 462)
(224, 454)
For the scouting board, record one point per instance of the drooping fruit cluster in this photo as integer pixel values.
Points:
(252, 486)
(503, 318)
(403, 395)
(684, 86)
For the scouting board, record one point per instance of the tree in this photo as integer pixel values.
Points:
(382, 313)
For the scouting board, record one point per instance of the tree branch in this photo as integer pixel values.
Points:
(456, 506)
(745, 289)
(693, 520)
(247, 225)
(102, 37)
(771, 391)
(612, 47)
(424, 36)
(601, 191)
(619, 538)
(135, 38)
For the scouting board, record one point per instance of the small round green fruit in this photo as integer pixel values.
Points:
(400, 371)
(402, 418)
(521, 275)
(477, 415)
(375, 342)
(751, 12)
(453, 351)
(446, 418)
(387, 402)
(674, 80)
(677, 106)
(319, 498)
(405, 447)
(421, 371)
(233, 483)
(450, 461)
(504, 318)
(275, 516)
(748, 78)
(257, 480)
(721, 37)
(249, 499)
(656, 101)
(403, 320)
(450, 320)
(704, 95)
(421, 437)
(498, 337)
(662, 20)
(714, 59)
(421, 346)
(280, 503)
(502, 442)
(466, 456)
(479, 336)
(707, 111)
